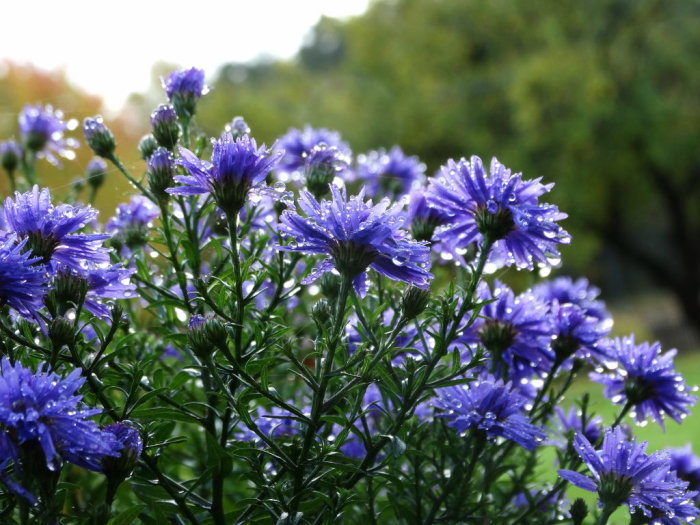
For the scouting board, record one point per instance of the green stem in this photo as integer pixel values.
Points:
(180, 274)
(605, 514)
(622, 414)
(29, 168)
(118, 163)
(238, 284)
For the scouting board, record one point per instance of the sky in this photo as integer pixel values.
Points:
(108, 47)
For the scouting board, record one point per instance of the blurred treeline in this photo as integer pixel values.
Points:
(600, 96)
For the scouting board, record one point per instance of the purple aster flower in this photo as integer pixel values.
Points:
(355, 235)
(499, 206)
(43, 409)
(623, 474)
(297, 144)
(423, 217)
(42, 130)
(165, 127)
(568, 424)
(99, 137)
(10, 155)
(237, 167)
(576, 334)
(322, 165)
(390, 173)
(184, 88)
(579, 292)
(22, 277)
(515, 330)
(644, 378)
(489, 406)
(131, 449)
(132, 222)
(686, 466)
(237, 127)
(51, 230)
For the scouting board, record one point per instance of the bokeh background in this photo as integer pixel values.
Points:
(601, 97)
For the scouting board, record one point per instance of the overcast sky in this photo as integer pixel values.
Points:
(108, 46)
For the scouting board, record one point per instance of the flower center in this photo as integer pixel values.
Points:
(42, 245)
(614, 489)
(496, 225)
(497, 336)
(638, 390)
(351, 259)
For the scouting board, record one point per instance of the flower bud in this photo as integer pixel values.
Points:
(184, 89)
(10, 155)
(67, 292)
(206, 335)
(165, 127)
(578, 511)
(77, 184)
(96, 172)
(330, 285)
(161, 170)
(322, 314)
(99, 137)
(322, 164)
(61, 332)
(414, 301)
(147, 145)
(238, 127)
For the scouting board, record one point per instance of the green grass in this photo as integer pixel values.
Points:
(675, 435)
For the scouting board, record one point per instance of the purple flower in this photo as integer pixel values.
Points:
(51, 230)
(165, 127)
(160, 172)
(322, 165)
(623, 474)
(568, 424)
(236, 167)
(22, 277)
(237, 127)
(10, 155)
(576, 334)
(489, 406)
(515, 330)
(579, 292)
(42, 130)
(132, 221)
(390, 173)
(687, 466)
(184, 88)
(644, 378)
(297, 144)
(105, 283)
(423, 217)
(43, 408)
(355, 235)
(500, 206)
(131, 448)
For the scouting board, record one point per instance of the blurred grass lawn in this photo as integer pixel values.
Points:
(675, 435)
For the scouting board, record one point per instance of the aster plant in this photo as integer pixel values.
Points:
(228, 348)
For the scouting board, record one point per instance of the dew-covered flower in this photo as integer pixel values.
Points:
(131, 449)
(576, 334)
(501, 207)
(236, 167)
(42, 131)
(237, 127)
(515, 330)
(568, 424)
(166, 130)
(686, 465)
(297, 144)
(390, 172)
(579, 292)
(131, 223)
(43, 409)
(99, 137)
(622, 473)
(184, 88)
(322, 165)
(22, 277)
(489, 406)
(355, 235)
(10, 155)
(424, 218)
(644, 378)
(51, 231)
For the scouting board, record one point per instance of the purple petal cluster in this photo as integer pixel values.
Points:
(274, 422)
(500, 206)
(297, 144)
(22, 277)
(52, 232)
(42, 131)
(132, 221)
(579, 292)
(236, 167)
(42, 409)
(515, 330)
(490, 406)
(568, 424)
(644, 378)
(576, 334)
(622, 473)
(686, 465)
(424, 218)
(184, 88)
(373, 407)
(390, 172)
(322, 165)
(355, 235)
